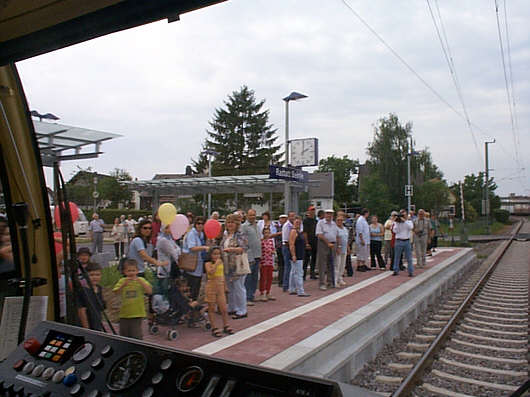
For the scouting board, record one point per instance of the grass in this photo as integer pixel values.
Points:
(475, 228)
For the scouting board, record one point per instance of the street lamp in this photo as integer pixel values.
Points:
(293, 96)
(210, 153)
(408, 190)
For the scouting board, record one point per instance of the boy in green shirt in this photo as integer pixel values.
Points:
(132, 289)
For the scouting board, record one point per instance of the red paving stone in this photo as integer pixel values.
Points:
(261, 347)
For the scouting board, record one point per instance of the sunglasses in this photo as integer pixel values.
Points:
(199, 223)
(146, 227)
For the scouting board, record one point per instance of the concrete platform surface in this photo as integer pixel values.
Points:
(285, 333)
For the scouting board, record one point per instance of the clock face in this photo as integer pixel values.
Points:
(308, 155)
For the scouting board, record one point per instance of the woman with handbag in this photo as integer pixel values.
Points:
(195, 243)
(234, 246)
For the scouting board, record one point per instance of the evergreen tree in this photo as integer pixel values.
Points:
(241, 136)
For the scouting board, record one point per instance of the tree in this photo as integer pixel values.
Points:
(387, 158)
(241, 136)
(433, 195)
(374, 196)
(345, 190)
(473, 188)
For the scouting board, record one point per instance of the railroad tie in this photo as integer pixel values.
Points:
(486, 358)
(425, 338)
(401, 368)
(442, 391)
(516, 374)
(455, 378)
(408, 355)
(393, 380)
(418, 346)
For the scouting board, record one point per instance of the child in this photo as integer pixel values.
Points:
(90, 300)
(132, 289)
(215, 291)
(266, 267)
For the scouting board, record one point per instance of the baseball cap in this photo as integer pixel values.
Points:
(329, 210)
(283, 216)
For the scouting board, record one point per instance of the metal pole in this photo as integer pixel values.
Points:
(486, 193)
(209, 193)
(287, 190)
(409, 154)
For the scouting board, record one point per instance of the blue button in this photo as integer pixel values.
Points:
(70, 380)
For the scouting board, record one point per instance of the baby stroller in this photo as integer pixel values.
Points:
(163, 312)
(170, 307)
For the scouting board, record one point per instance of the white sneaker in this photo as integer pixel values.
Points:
(322, 288)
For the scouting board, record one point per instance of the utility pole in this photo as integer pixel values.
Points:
(463, 235)
(486, 202)
(408, 189)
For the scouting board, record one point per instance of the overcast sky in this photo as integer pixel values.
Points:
(158, 85)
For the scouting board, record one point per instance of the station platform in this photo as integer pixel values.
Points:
(332, 333)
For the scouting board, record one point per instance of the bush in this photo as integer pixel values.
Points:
(110, 276)
(502, 216)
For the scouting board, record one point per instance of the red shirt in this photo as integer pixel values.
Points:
(267, 249)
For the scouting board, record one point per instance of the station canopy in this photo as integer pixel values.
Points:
(59, 142)
(214, 184)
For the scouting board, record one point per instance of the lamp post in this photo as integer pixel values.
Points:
(210, 153)
(293, 96)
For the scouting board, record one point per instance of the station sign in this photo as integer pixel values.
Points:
(288, 173)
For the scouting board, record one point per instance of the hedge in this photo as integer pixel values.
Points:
(502, 216)
(108, 214)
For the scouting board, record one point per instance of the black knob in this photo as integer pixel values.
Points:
(106, 351)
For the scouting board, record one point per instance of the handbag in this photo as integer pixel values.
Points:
(187, 262)
(242, 265)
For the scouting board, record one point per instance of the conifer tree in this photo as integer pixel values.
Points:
(241, 136)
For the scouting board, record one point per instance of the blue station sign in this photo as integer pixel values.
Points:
(288, 173)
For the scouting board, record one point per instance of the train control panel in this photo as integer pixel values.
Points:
(59, 360)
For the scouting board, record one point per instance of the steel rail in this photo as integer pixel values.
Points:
(415, 375)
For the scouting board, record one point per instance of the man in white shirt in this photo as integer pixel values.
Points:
(362, 240)
(402, 228)
(326, 232)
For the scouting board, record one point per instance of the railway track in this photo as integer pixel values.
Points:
(476, 344)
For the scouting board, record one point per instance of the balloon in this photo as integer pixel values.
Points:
(212, 228)
(179, 226)
(58, 242)
(167, 213)
(74, 211)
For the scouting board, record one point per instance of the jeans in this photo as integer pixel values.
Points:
(251, 282)
(340, 262)
(400, 247)
(97, 242)
(279, 255)
(237, 295)
(286, 266)
(296, 278)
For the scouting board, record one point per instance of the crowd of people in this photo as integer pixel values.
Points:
(234, 270)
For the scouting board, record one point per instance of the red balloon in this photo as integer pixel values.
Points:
(212, 228)
(57, 240)
(74, 211)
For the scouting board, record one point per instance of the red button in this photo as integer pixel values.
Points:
(32, 346)
(19, 365)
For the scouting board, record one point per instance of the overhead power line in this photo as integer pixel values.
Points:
(508, 92)
(446, 49)
(409, 67)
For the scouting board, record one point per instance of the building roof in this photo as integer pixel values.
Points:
(215, 184)
(60, 142)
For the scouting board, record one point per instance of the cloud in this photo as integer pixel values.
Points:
(160, 84)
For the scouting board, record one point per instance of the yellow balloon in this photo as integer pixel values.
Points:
(167, 213)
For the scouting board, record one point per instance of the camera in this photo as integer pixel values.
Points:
(399, 218)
